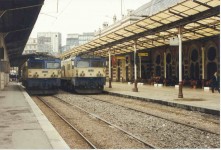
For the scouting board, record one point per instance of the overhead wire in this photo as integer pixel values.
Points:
(65, 8)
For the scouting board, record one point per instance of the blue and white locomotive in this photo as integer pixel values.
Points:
(41, 75)
(83, 74)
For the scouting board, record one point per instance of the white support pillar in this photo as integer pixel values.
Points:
(180, 95)
(109, 69)
(135, 89)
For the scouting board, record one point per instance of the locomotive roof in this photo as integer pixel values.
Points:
(82, 56)
(25, 57)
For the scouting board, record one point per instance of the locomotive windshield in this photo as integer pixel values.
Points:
(83, 63)
(90, 63)
(52, 65)
(97, 63)
(35, 65)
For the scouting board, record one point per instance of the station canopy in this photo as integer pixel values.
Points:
(17, 19)
(198, 19)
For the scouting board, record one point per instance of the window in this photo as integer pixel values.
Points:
(211, 54)
(83, 63)
(194, 55)
(168, 58)
(97, 64)
(35, 65)
(158, 59)
(52, 65)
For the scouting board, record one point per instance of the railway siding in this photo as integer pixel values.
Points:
(160, 132)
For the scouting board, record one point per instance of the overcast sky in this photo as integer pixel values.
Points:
(78, 16)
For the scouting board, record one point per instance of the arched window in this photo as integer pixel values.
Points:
(194, 55)
(212, 61)
(197, 70)
(168, 58)
(192, 70)
(168, 66)
(211, 54)
(194, 67)
(157, 65)
(158, 71)
(158, 59)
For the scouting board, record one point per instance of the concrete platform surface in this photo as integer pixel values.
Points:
(23, 125)
(193, 99)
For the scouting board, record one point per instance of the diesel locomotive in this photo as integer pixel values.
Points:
(83, 74)
(41, 75)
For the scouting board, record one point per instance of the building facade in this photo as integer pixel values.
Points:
(75, 39)
(49, 42)
(200, 58)
(31, 46)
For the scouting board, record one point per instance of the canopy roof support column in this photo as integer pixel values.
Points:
(109, 52)
(135, 89)
(180, 95)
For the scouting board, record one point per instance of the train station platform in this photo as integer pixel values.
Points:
(193, 99)
(23, 125)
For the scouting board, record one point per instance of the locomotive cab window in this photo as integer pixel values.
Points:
(51, 65)
(35, 65)
(83, 63)
(97, 64)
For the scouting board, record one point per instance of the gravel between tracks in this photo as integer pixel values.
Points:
(73, 140)
(159, 132)
(99, 133)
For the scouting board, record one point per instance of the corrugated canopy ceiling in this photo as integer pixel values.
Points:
(199, 19)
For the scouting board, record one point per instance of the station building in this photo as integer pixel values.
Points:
(156, 23)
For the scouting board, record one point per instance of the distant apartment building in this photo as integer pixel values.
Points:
(75, 39)
(49, 42)
(31, 46)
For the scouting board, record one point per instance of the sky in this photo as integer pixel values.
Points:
(78, 16)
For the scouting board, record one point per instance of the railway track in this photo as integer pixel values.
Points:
(162, 117)
(67, 122)
(95, 144)
(103, 109)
